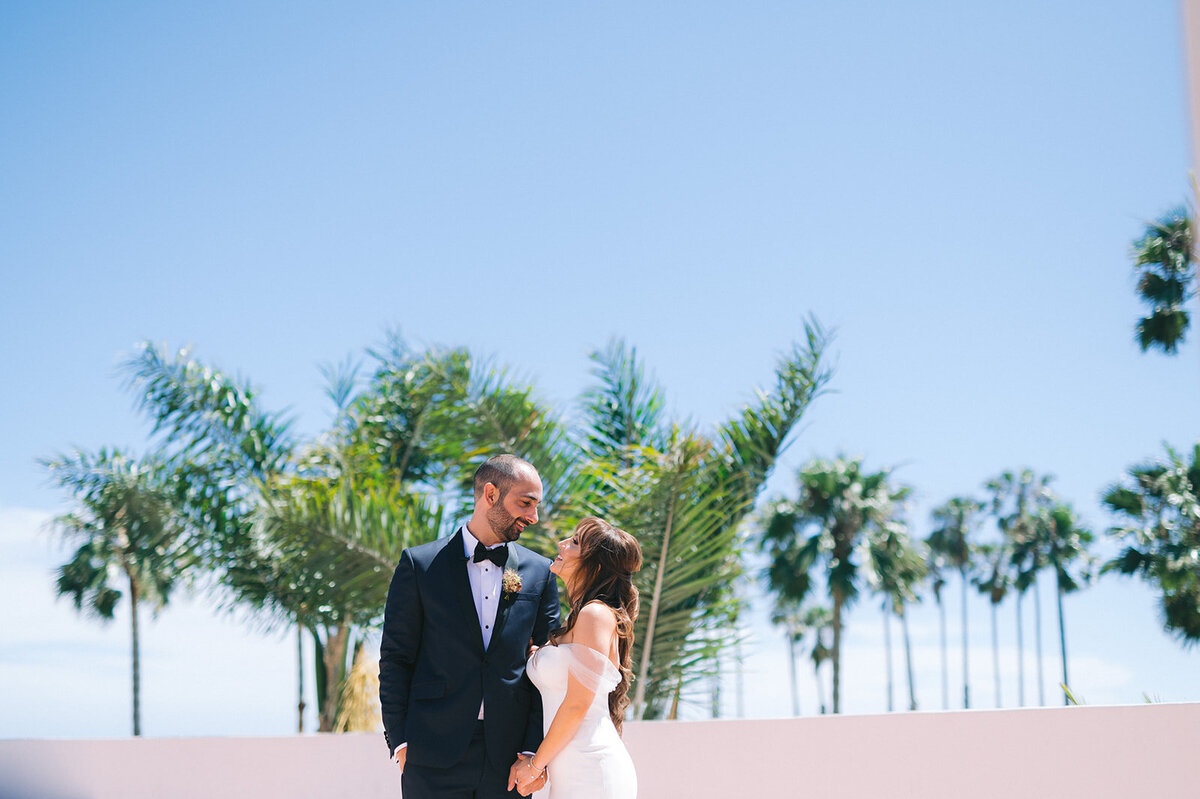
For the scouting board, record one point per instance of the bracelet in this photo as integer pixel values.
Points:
(533, 765)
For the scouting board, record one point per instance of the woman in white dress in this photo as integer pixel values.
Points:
(583, 672)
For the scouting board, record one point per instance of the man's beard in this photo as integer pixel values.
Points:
(503, 525)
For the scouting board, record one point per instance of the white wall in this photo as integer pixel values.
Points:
(1090, 752)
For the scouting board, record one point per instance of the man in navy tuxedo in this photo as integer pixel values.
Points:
(460, 617)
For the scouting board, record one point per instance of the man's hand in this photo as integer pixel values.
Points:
(524, 777)
(400, 756)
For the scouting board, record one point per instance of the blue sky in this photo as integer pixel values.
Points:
(953, 188)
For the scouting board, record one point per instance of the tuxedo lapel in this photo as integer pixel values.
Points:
(506, 599)
(456, 574)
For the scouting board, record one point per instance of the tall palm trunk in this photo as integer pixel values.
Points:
(1062, 637)
(837, 650)
(902, 612)
(336, 641)
(1020, 655)
(945, 665)
(820, 688)
(739, 672)
(716, 688)
(792, 673)
(1037, 631)
(137, 663)
(300, 677)
(996, 653)
(887, 648)
(966, 681)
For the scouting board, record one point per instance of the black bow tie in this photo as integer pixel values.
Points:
(499, 555)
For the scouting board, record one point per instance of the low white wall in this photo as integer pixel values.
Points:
(1090, 752)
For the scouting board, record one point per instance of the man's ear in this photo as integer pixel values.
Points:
(490, 493)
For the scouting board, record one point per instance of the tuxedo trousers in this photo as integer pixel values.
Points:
(472, 777)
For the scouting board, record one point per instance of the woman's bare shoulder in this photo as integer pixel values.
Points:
(597, 615)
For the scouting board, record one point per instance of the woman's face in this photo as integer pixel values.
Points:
(567, 562)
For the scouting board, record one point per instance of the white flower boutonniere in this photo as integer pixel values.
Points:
(510, 583)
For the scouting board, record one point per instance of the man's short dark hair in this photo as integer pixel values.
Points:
(501, 471)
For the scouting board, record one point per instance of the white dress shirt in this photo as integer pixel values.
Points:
(485, 578)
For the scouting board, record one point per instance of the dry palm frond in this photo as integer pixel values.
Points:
(359, 711)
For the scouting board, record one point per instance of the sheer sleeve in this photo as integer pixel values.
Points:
(591, 669)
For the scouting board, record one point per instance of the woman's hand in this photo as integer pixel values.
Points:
(525, 777)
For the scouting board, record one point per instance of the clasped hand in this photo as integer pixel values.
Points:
(524, 777)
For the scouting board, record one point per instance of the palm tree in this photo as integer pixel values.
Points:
(1017, 498)
(1063, 545)
(820, 620)
(954, 525)
(1165, 260)
(789, 616)
(127, 529)
(896, 568)
(935, 566)
(995, 583)
(686, 494)
(797, 622)
(826, 526)
(1159, 505)
(305, 533)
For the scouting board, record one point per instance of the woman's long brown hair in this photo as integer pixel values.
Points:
(608, 557)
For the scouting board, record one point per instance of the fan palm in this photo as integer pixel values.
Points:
(896, 568)
(1017, 497)
(797, 622)
(1165, 260)
(127, 530)
(995, 583)
(954, 525)
(1063, 544)
(825, 528)
(1159, 503)
(820, 620)
(935, 566)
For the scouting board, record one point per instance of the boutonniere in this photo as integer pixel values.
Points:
(510, 583)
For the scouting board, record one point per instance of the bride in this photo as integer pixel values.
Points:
(583, 672)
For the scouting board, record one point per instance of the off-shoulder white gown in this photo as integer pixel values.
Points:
(595, 764)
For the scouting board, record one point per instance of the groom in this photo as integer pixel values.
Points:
(461, 614)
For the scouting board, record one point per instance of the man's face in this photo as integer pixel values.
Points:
(516, 509)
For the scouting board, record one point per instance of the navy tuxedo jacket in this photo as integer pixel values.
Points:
(434, 671)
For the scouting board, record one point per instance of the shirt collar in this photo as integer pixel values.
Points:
(469, 542)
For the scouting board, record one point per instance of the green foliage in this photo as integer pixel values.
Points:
(1165, 260)
(1017, 499)
(896, 565)
(624, 408)
(954, 523)
(127, 527)
(1072, 699)
(1161, 535)
(995, 580)
(685, 496)
(825, 530)
(1062, 544)
(307, 532)
(125, 524)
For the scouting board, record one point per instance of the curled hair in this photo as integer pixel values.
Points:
(501, 471)
(608, 557)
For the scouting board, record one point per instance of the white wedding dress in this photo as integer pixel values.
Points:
(595, 763)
